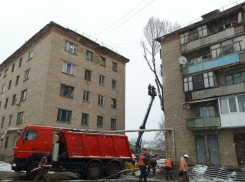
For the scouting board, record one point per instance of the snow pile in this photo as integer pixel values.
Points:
(5, 166)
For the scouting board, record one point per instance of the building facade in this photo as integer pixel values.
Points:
(203, 68)
(61, 78)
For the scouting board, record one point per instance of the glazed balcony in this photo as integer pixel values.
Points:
(215, 63)
(203, 123)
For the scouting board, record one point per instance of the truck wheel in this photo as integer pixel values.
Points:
(29, 174)
(112, 169)
(94, 171)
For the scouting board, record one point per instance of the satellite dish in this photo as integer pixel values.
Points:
(182, 60)
(239, 17)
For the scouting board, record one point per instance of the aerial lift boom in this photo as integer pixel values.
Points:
(152, 93)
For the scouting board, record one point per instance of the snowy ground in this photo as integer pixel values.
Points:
(5, 166)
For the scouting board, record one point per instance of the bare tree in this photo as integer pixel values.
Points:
(156, 28)
(159, 136)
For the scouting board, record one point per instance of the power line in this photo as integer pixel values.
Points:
(126, 20)
(120, 18)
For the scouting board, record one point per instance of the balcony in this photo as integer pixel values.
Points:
(218, 91)
(213, 38)
(203, 123)
(215, 63)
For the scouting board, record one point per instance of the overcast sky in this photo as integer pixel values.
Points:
(117, 23)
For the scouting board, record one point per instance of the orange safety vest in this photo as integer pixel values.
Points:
(168, 163)
(39, 165)
(141, 162)
(185, 166)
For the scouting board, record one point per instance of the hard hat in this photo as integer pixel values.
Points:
(145, 152)
(153, 159)
(186, 156)
(169, 156)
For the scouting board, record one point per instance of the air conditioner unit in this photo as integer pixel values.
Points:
(17, 103)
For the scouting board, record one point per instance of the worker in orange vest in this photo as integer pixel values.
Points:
(153, 165)
(183, 168)
(42, 172)
(143, 162)
(169, 167)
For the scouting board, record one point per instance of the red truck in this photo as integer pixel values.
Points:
(93, 155)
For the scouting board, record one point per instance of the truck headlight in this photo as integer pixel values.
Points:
(14, 165)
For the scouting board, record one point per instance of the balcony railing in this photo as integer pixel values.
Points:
(223, 61)
(203, 123)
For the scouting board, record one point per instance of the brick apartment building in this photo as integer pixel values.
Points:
(61, 78)
(205, 97)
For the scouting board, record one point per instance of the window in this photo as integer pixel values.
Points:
(20, 117)
(6, 142)
(3, 118)
(10, 119)
(204, 112)
(64, 116)
(223, 105)
(68, 68)
(10, 84)
(66, 91)
(13, 67)
(114, 84)
(14, 99)
(23, 95)
(16, 138)
(3, 88)
(0, 104)
(227, 47)
(70, 47)
(232, 104)
(197, 81)
(5, 73)
(6, 103)
(113, 124)
(102, 61)
(113, 103)
(100, 121)
(202, 31)
(208, 79)
(85, 118)
(89, 55)
(30, 55)
(235, 78)
(86, 96)
(193, 35)
(101, 80)
(20, 62)
(188, 86)
(30, 134)
(241, 103)
(101, 100)
(216, 50)
(87, 75)
(17, 80)
(184, 38)
(27, 74)
(114, 66)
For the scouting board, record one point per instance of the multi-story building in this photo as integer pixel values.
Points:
(61, 78)
(203, 68)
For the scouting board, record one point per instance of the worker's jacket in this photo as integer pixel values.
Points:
(182, 165)
(142, 161)
(43, 161)
(168, 163)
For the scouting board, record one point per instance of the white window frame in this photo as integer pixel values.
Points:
(70, 47)
(3, 88)
(113, 124)
(30, 56)
(85, 119)
(102, 61)
(101, 80)
(71, 67)
(27, 74)
(20, 117)
(6, 72)
(101, 100)
(89, 55)
(114, 66)
(85, 96)
(114, 84)
(88, 75)
(113, 103)
(23, 95)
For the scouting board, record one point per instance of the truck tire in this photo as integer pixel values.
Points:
(94, 171)
(112, 168)
(29, 174)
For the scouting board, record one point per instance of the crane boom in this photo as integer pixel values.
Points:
(152, 93)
